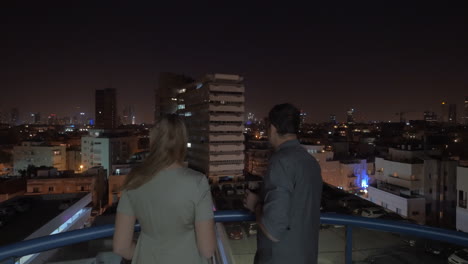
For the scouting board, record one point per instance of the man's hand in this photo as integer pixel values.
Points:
(250, 200)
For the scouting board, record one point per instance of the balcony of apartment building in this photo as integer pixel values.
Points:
(239, 156)
(342, 239)
(223, 106)
(224, 87)
(226, 146)
(406, 174)
(238, 128)
(462, 204)
(408, 182)
(226, 137)
(400, 200)
(226, 97)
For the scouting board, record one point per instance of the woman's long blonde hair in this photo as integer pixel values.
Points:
(168, 146)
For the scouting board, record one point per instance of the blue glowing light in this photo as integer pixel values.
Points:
(364, 183)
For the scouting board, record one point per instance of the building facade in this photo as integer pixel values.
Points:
(166, 93)
(462, 197)
(106, 108)
(38, 154)
(414, 175)
(105, 148)
(348, 175)
(214, 113)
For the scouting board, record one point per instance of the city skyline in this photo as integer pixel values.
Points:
(378, 59)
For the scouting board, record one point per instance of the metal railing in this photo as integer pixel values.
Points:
(10, 252)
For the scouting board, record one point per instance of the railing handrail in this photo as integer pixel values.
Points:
(41, 244)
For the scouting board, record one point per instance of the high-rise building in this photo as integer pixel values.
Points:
(166, 93)
(430, 116)
(444, 115)
(214, 112)
(82, 118)
(250, 117)
(452, 114)
(14, 117)
(333, 119)
(465, 112)
(52, 119)
(35, 118)
(302, 119)
(350, 116)
(106, 108)
(128, 116)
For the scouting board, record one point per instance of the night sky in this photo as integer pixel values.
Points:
(380, 58)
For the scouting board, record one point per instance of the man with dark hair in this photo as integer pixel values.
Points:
(288, 209)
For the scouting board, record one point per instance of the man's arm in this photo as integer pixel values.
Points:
(258, 216)
(275, 210)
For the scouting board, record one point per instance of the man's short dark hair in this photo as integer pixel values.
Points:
(285, 118)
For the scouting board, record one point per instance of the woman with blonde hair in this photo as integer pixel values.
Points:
(171, 202)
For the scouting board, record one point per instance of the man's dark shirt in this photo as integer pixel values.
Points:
(291, 207)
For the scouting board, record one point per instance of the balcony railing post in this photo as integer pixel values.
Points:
(349, 245)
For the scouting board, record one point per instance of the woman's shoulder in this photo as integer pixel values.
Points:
(194, 175)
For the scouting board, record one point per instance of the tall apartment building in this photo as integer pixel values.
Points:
(38, 154)
(444, 114)
(462, 197)
(452, 117)
(14, 117)
(430, 116)
(416, 185)
(214, 112)
(166, 93)
(106, 109)
(105, 148)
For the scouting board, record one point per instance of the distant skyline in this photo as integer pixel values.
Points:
(379, 58)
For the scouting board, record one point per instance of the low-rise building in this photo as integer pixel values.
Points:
(349, 175)
(51, 181)
(462, 197)
(415, 173)
(38, 154)
(104, 148)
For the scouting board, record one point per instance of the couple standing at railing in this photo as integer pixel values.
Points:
(174, 208)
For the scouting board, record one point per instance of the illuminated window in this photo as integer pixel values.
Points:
(189, 145)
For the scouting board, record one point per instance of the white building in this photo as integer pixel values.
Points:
(411, 175)
(462, 193)
(38, 154)
(103, 148)
(214, 114)
(392, 198)
(348, 175)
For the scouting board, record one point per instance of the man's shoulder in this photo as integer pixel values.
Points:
(291, 153)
